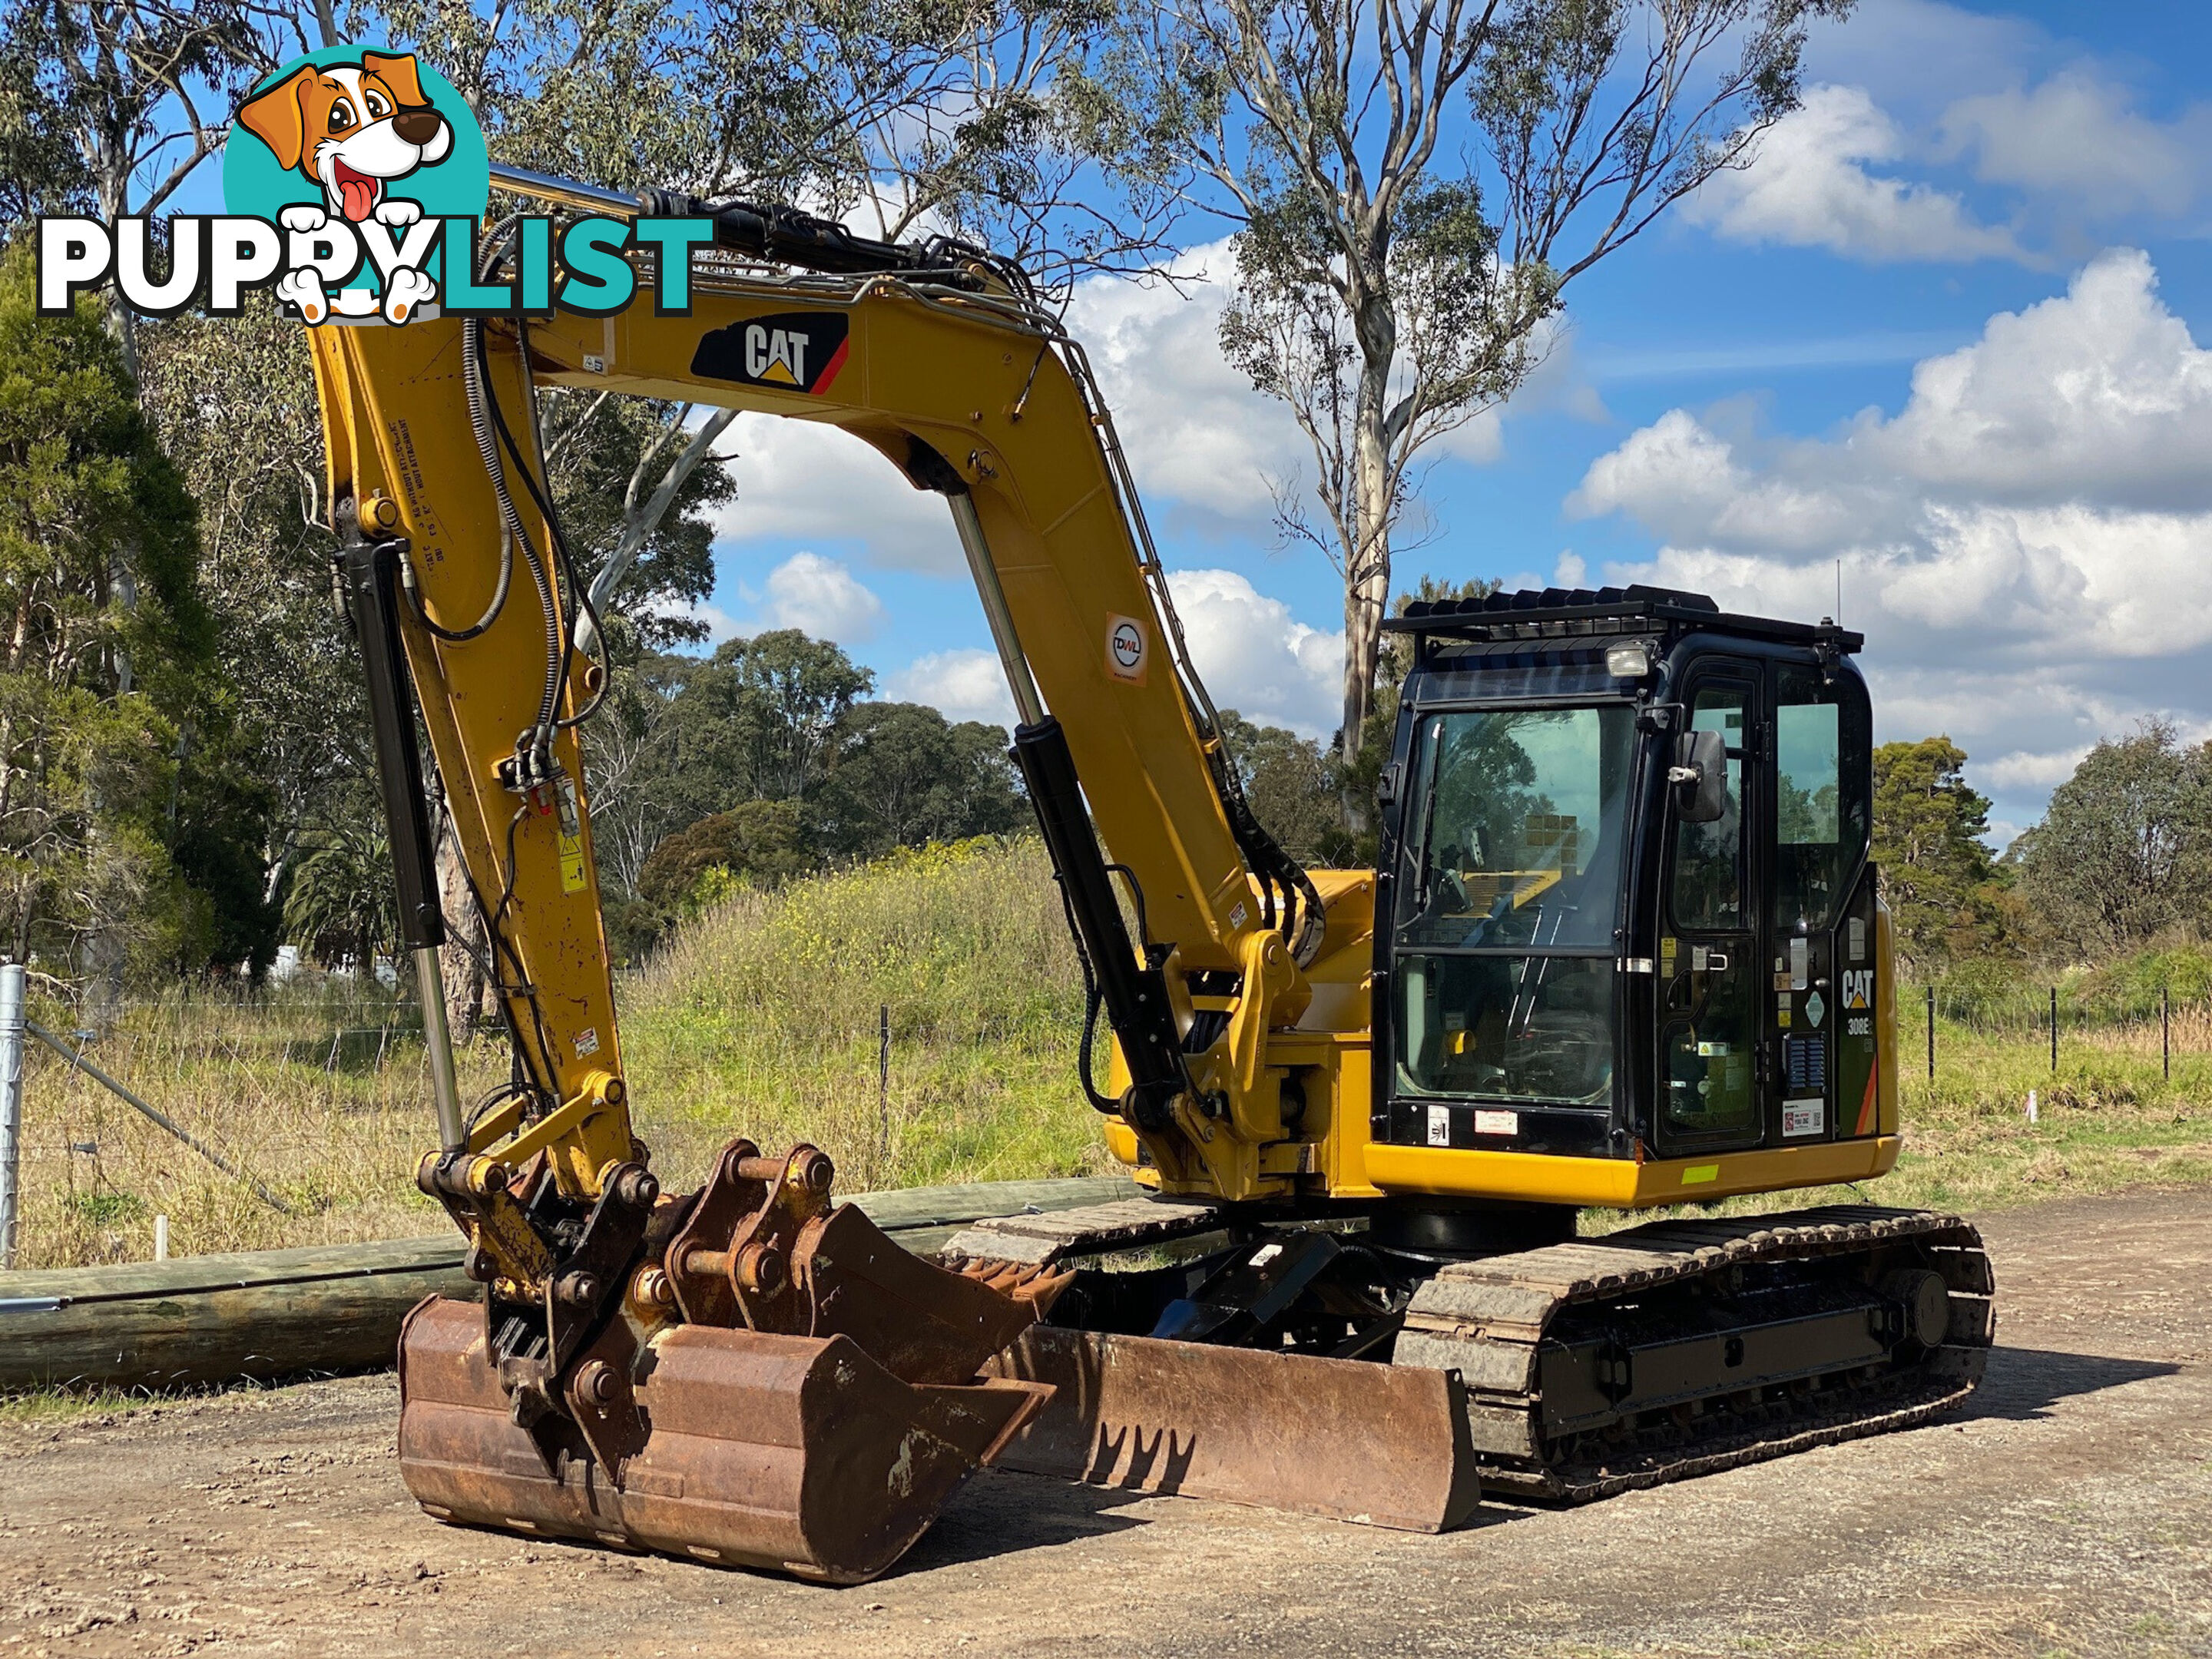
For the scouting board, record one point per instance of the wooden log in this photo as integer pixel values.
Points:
(331, 1308)
(216, 1318)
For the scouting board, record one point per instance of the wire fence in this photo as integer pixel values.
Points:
(311, 1108)
(2137, 1021)
(231, 1123)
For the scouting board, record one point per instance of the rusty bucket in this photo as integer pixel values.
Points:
(780, 1386)
(797, 1454)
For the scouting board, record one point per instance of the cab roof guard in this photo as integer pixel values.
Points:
(1559, 613)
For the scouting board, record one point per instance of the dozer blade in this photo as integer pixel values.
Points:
(796, 1453)
(1386, 1446)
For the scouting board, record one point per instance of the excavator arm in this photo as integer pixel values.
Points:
(634, 1348)
(970, 390)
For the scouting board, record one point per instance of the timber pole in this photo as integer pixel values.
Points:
(11, 1106)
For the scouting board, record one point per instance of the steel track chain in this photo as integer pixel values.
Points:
(1487, 1319)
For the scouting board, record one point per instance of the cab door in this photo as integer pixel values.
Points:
(1710, 981)
(1816, 833)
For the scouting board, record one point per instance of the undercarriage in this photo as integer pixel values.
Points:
(1565, 1372)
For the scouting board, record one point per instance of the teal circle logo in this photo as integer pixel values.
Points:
(351, 129)
(354, 143)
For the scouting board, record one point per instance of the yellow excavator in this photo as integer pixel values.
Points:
(1623, 949)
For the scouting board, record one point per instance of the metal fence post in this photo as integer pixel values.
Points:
(11, 1103)
(883, 1092)
(2166, 1030)
(2054, 1028)
(1931, 1034)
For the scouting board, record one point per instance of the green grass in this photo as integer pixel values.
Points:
(2105, 1120)
(763, 1019)
(760, 1019)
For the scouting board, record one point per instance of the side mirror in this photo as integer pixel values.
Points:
(1699, 776)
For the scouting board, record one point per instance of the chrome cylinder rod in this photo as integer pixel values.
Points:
(570, 193)
(1027, 703)
(438, 1038)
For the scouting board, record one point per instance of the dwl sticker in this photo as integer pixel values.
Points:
(1125, 649)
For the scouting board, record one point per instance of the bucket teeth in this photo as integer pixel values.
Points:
(1029, 1282)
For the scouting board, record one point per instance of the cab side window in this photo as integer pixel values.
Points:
(1821, 814)
(1708, 884)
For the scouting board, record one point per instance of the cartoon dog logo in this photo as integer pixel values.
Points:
(352, 129)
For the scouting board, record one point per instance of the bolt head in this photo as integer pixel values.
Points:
(760, 1268)
(597, 1382)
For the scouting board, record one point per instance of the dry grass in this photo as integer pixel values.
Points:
(315, 1090)
(761, 1019)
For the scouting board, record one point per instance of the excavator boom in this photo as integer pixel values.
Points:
(747, 1373)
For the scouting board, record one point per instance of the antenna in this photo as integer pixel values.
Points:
(1839, 591)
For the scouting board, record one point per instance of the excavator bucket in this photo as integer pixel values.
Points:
(790, 1452)
(811, 1416)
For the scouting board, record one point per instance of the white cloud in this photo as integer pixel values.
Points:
(1196, 431)
(1255, 657)
(1681, 478)
(823, 598)
(2100, 390)
(1922, 53)
(2026, 543)
(1806, 188)
(2021, 770)
(962, 685)
(2079, 135)
(805, 481)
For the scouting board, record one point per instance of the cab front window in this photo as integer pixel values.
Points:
(1508, 892)
(1521, 815)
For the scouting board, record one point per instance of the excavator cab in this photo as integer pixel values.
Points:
(1625, 904)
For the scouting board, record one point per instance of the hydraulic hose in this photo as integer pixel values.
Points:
(484, 418)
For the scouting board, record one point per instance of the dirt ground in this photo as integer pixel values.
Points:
(2069, 1510)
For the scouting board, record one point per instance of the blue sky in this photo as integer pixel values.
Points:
(1944, 329)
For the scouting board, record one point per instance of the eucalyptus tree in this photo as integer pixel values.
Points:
(112, 104)
(1417, 182)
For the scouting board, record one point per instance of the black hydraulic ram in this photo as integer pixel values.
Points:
(1135, 993)
(1133, 990)
(368, 580)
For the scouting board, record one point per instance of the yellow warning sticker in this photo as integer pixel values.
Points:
(1698, 1174)
(572, 864)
